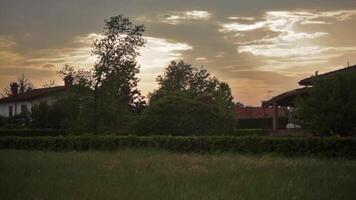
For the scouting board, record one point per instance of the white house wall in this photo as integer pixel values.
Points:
(16, 106)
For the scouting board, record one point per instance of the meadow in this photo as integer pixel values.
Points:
(152, 174)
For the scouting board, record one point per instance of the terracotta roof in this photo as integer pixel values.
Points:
(258, 112)
(32, 94)
(309, 81)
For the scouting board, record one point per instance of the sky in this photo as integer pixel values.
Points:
(259, 47)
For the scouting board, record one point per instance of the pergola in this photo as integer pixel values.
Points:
(285, 99)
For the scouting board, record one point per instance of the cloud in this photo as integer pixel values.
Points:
(159, 51)
(201, 58)
(286, 44)
(181, 17)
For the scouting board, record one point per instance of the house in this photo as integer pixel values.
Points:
(258, 112)
(259, 117)
(286, 99)
(17, 103)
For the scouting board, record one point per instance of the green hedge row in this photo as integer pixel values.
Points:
(32, 132)
(250, 132)
(58, 132)
(329, 147)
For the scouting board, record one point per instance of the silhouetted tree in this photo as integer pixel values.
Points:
(24, 85)
(116, 96)
(197, 82)
(180, 114)
(331, 106)
(116, 69)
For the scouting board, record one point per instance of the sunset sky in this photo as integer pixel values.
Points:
(256, 45)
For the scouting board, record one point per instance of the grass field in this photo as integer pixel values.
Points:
(139, 174)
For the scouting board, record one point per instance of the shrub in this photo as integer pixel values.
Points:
(250, 132)
(182, 115)
(329, 147)
(330, 108)
(32, 132)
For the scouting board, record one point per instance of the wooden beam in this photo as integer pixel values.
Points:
(275, 116)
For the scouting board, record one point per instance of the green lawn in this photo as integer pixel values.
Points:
(139, 174)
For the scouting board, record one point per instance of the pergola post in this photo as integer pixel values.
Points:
(275, 116)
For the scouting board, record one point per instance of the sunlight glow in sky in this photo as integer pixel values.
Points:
(253, 45)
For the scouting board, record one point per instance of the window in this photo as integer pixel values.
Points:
(24, 108)
(10, 111)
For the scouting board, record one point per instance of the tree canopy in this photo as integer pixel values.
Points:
(196, 82)
(179, 114)
(331, 106)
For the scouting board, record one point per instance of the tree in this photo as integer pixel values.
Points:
(116, 69)
(116, 96)
(180, 114)
(189, 101)
(80, 77)
(331, 106)
(24, 85)
(197, 82)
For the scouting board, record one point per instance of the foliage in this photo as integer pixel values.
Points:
(72, 109)
(179, 114)
(288, 146)
(32, 132)
(196, 82)
(3, 121)
(81, 77)
(24, 84)
(20, 120)
(45, 116)
(116, 69)
(330, 108)
(114, 97)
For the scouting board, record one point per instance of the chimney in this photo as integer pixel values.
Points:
(14, 87)
(68, 80)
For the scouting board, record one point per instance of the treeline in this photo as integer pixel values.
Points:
(188, 101)
(106, 100)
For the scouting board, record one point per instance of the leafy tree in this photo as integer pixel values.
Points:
(49, 84)
(180, 114)
(116, 96)
(24, 84)
(116, 69)
(197, 82)
(80, 77)
(45, 116)
(331, 106)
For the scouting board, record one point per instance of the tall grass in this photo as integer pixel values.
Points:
(139, 174)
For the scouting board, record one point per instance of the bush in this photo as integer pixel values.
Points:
(326, 147)
(330, 109)
(250, 132)
(182, 115)
(32, 132)
(3, 121)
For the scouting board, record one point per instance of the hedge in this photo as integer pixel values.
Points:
(32, 132)
(250, 132)
(59, 132)
(325, 147)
